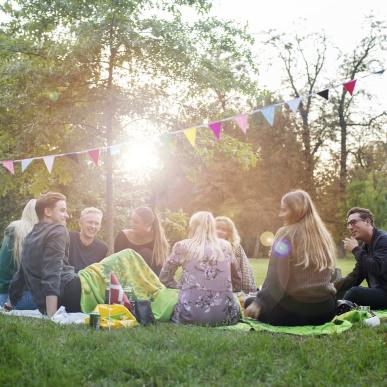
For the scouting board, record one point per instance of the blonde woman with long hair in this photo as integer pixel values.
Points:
(209, 273)
(11, 252)
(297, 289)
(225, 229)
(146, 236)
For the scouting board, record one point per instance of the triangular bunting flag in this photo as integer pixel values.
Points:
(294, 104)
(243, 122)
(94, 155)
(49, 161)
(114, 150)
(269, 113)
(191, 135)
(324, 94)
(8, 165)
(216, 128)
(349, 86)
(73, 156)
(25, 163)
(117, 294)
(379, 72)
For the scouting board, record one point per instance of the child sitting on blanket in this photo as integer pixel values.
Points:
(209, 272)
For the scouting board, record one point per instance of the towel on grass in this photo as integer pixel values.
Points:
(338, 325)
(134, 275)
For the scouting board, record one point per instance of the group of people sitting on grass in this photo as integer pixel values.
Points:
(40, 261)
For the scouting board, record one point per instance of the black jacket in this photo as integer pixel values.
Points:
(371, 264)
(44, 268)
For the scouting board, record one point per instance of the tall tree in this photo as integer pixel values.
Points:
(364, 58)
(303, 76)
(96, 66)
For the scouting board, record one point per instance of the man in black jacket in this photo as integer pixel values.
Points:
(371, 261)
(44, 268)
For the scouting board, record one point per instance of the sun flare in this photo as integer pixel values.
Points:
(139, 158)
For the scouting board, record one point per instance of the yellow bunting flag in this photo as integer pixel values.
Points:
(191, 135)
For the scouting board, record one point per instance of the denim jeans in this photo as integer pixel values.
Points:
(25, 302)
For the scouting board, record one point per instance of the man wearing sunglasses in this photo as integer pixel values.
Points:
(371, 261)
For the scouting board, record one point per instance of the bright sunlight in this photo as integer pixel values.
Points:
(139, 159)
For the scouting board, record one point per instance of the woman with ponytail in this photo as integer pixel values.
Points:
(146, 236)
(11, 252)
(297, 289)
(209, 272)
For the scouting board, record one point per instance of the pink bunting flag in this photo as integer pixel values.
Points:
(349, 86)
(216, 128)
(243, 122)
(94, 155)
(49, 161)
(8, 165)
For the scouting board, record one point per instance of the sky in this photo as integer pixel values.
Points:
(340, 20)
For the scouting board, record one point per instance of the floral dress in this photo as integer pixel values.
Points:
(206, 290)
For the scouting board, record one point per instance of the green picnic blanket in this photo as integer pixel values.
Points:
(164, 304)
(338, 325)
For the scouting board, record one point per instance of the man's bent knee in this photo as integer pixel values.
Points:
(353, 294)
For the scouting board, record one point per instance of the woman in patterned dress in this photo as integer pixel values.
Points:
(210, 272)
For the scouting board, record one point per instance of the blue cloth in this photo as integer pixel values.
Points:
(26, 301)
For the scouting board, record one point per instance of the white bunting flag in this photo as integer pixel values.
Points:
(294, 104)
(49, 161)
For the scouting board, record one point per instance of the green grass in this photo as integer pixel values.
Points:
(40, 353)
(260, 267)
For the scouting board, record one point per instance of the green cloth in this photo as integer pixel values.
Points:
(164, 304)
(338, 325)
(8, 266)
(329, 328)
(134, 275)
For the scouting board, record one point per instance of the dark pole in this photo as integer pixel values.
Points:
(109, 140)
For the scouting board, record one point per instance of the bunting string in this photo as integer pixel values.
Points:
(241, 119)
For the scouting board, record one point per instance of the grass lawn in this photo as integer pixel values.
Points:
(260, 267)
(40, 353)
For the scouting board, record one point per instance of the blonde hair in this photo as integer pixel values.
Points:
(310, 240)
(91, 210)
(232, 232)
(22, 227)
(202, 234)
(161, 245)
